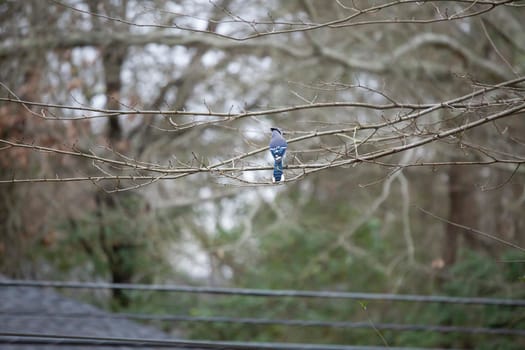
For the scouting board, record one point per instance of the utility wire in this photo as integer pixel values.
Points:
(268, 292)
(265, 321)
(71, 340)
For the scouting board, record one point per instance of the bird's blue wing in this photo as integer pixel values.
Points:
(278, 152)
(278, 155)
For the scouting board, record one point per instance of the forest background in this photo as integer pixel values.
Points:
(133, 149)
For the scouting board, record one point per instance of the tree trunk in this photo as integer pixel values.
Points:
(462, 210)
(117, 249)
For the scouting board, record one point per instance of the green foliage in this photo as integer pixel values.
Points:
(474, 275)
(119, 238)
(297, 258)
(286, 262)
(309, 256)
(514, 266)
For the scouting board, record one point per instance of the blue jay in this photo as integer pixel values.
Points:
(278, 147)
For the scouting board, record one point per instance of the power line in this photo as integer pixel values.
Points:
(284, 322)
(71, 340)
(268, 292)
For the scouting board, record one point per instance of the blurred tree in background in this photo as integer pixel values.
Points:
(132, 149)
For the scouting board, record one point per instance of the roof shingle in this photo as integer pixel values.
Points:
(30, 310)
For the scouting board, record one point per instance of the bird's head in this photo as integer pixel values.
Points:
(277, 129)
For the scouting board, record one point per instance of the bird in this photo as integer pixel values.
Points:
(278, 147)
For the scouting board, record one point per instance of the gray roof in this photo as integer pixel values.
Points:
(30, 310)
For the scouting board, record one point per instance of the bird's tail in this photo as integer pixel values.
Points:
(278, 170)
